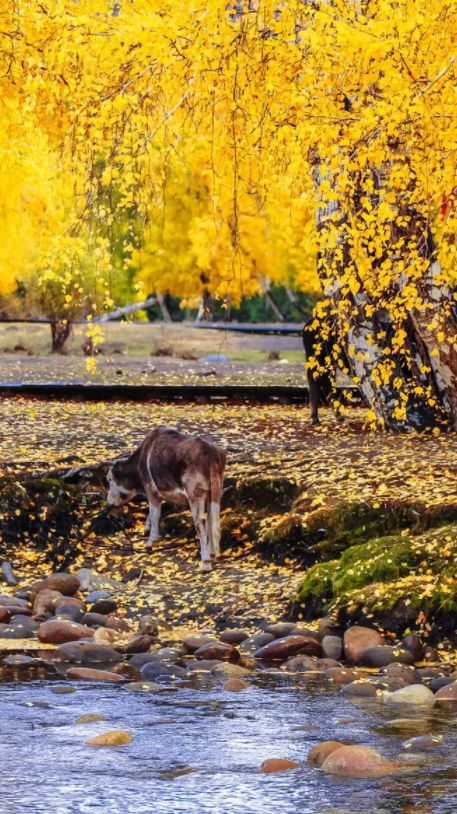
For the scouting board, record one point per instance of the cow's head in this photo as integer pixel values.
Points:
(122, 484)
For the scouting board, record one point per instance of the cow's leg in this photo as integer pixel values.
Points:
(199, 514)
(313, 393)
(152, 522)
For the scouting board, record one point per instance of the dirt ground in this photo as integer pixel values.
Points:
(331, 461)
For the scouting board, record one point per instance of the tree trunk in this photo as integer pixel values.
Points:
(391, 383)
(163, 307)
(60, 332)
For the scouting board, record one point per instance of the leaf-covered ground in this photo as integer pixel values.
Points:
(380, 499)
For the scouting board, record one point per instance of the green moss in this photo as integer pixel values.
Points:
(289, 530)
(380, 560)
(343, 524)
(397, 574)
(317, 583)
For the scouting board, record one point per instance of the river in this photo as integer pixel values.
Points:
(197, 750)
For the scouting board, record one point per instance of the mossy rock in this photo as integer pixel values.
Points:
(315, 594)
(287, 537)
(347, 522)
(393, 579)
(177, 524)
(381, 560)
(266, 492)
(237, 528)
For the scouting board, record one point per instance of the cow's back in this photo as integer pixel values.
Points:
(166, 455)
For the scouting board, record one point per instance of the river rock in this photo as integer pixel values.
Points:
(342, 675)
(166, 655)
(67, 600)
(44, 602)
(282, 649)
(116, 738)
(224, 669)
(170, 655)
(414, 645)
(90, 674)
(86, 653)
(13, 602)
(67, 584)
(127, 671)
(219, 651)
(89, 718)
(382, 655)
(94, 619)
(235, 685)
(140, 659)
(390, 683)
(203, 666)
(17, 631)
(361, 689)
(114, 622)
(5, 614)
(149, 625)
(447, 694)
(440, 682)
(25, 621)
(357, 639)
(278, 764)
(103, 606)
(233, 636)
(329, 626)
(300, 664)
(403, 671)
(332, 647)
(423, 743)
(280, 629)
(357, 761)
(152, 671)
(193, 643)
(59, 631)
(413, 694)
(69, 612)
(143, 686)
(137, 644)
(319, 753)
(253, 643)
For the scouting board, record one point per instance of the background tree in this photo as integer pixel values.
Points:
(256, 144)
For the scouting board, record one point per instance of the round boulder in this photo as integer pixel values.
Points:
(219, 651)
(282, 649)
(59, 631)
(67, 584)
(358, 761)
(357, 640)
(319, 753)
(233, 636)
(278, 764)
(413, 694)
(447, 694)
(382, 655)
(90, 674)
(86, 653)
(332, 647)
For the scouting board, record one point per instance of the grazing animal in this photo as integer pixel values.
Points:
(171, 466)
(320, 387)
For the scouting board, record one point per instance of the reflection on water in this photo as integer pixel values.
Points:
(198, 751)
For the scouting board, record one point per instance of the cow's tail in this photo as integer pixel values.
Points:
(216, 478)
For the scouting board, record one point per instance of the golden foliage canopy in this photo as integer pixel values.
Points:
(205, 122)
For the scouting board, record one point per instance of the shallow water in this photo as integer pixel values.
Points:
(46, 765)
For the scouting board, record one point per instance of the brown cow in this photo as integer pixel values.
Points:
(169, 465)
